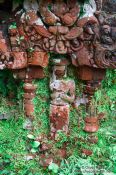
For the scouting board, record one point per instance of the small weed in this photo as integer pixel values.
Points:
(13, 26)
(19, 39)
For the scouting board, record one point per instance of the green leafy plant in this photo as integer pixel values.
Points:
(30, 136)
(61, 139)
(31, 49)
(13, 26)
(53, 167)
(7, 83)
(34, 144)
(19, 39)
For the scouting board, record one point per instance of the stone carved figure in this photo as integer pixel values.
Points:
(62, 95)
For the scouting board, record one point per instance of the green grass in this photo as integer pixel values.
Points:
(14, 144)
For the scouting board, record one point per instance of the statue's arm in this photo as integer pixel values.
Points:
(70, 96)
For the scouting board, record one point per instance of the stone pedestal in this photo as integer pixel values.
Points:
(59, 119)
(91, 124)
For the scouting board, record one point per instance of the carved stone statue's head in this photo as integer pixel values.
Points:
(60, 71)
(60, 67)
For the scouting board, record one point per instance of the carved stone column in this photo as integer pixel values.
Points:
(29, 94)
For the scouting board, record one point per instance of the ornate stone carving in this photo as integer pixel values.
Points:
(60, 29)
